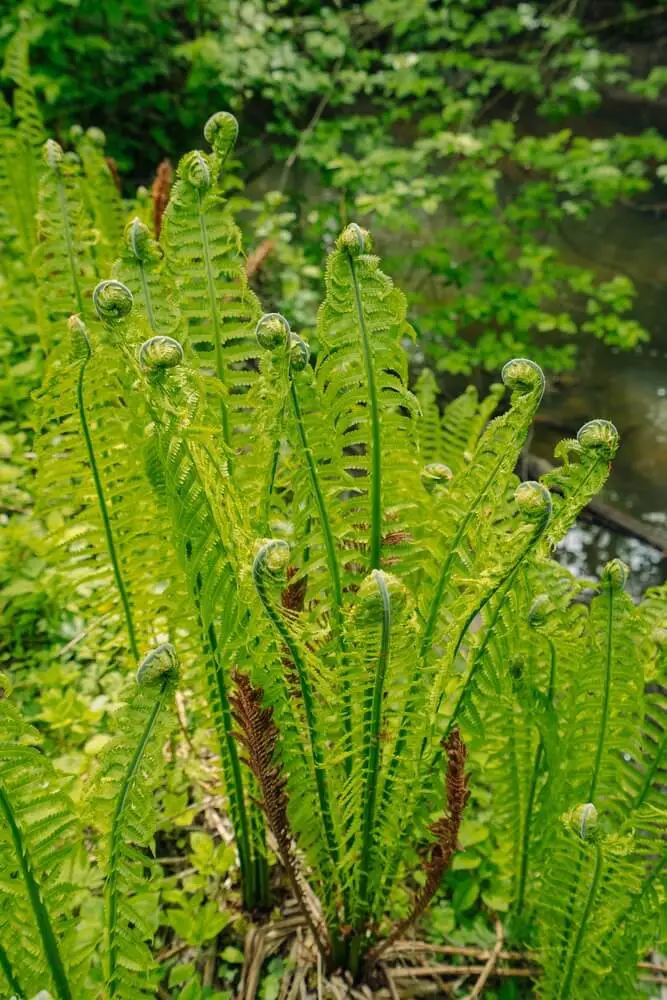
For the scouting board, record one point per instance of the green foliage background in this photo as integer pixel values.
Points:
(449, 123)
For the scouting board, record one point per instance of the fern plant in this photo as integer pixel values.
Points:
(42, 944)
(363, 584)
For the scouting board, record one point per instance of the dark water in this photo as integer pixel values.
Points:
(629, 388)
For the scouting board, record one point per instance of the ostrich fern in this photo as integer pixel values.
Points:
(362, 583)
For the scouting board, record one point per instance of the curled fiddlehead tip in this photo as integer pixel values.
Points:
(272, 558)
(96, 136)
(80, 349)
(160, 661)
(75, 132)
(600, 435)
(615, 574)
(222, 131)
(355, 240)
(159, 353)
(53, 154)
(140, 243)
(583, 820)
(523, 376)
(435, 476)
(371, 604)
(299, 353)
(143, 194)
(272, 331)
(6, 685)
(194, 169)
(540, 611)
(534, 500)
(112, 300)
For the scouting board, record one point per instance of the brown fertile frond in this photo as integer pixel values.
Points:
(113, 170)
(294, 594)
(160, 191)
(258, 734)
(257, 257)
(446, 832)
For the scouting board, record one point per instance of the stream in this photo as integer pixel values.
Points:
(628, 388)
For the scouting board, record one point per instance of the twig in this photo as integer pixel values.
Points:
(391, 985)
(419, 971)
(490, 965)
(451, 949)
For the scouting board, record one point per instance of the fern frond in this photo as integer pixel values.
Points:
(587, 884)
(607, 710)
(106, 205)
(123, 807)
(92, 486)
(575, 483)
(208, 538)
(39, 845)
(65, 238)
(204, 256)
(372, 461)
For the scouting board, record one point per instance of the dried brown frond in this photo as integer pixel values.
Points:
(258, 735)
(445, 831)
(113, 170)
(257, 257)
(160, 191)
(294, 594)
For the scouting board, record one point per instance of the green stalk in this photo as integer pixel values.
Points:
(215, 316)
(606, 694)
(49, 943)
(316, 749)
(332, 561)
(322, 511)
(564, 992)
(371, 741)
(376, 447)
(116, 838)
(9, 974)
(532, 791)
(104, 511)
(67, 233)
(231, 766)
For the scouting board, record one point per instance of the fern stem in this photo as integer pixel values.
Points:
(376, 449)
(10, 975)
(117, 833)
(532, 791)
(215, 316)
(606, 694)
(371, 746)
(332, 561)
(316, 750)
(232, 767)
(67, 233)
(570, 968)
(431, 622)
(49, 942)
(104, 511)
